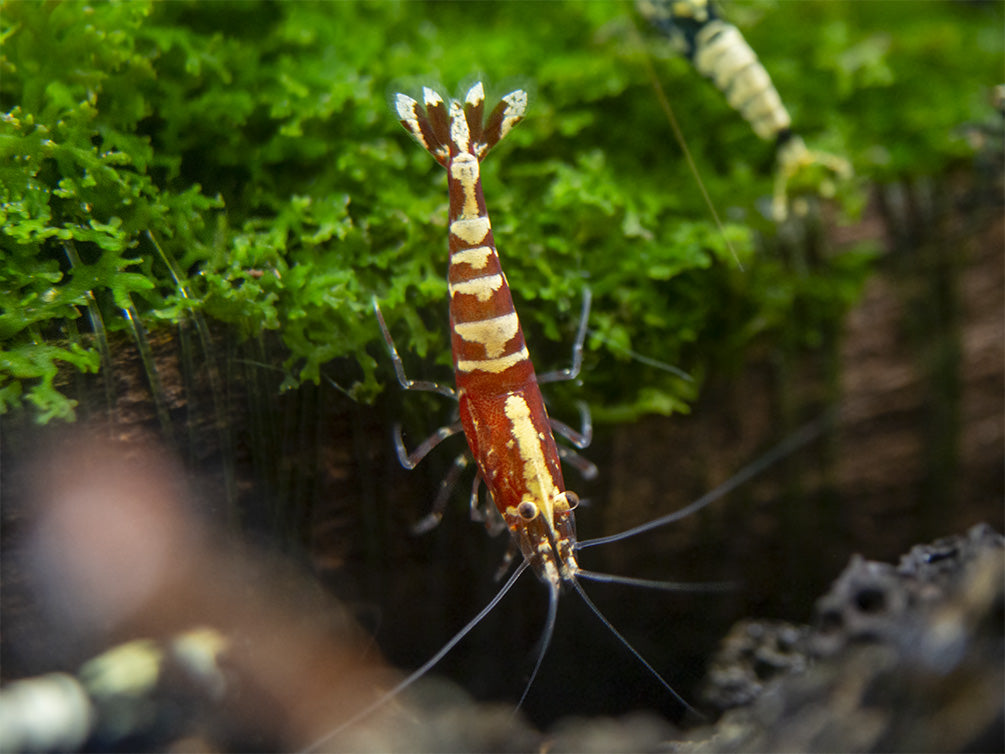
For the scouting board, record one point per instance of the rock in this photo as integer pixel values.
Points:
(902, 658)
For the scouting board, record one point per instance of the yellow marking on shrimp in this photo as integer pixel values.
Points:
(475, 94)
(471, 229)
(459, 133)
(696, 9)
(516, 105)
(484, 287)
(464, 170)
(747, 91)
(726, 57)
(431, 97)
(493, 333)
(477, 257)
(722, 52)
(536, 472)
(405, 106)
(493, 366)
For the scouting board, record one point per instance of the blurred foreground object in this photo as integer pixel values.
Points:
(154, 632)
(209, 638)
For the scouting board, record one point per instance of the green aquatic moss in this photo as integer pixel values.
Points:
(238, 161)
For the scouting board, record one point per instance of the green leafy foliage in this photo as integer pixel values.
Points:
(238, 160)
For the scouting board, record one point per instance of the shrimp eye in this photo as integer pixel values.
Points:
(571, 499)
(527, 510)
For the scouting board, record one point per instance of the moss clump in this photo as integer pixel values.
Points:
(237, 160)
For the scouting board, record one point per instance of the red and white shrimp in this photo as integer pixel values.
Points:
(502, 411)
(501, 407)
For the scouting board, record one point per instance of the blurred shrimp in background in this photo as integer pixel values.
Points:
(210, 638)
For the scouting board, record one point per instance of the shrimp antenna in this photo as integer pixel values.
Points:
(803, 436)
(642, 358)
(666, 586)
(620, 637)
(544, 642)
(678, 135)
(426, 667)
